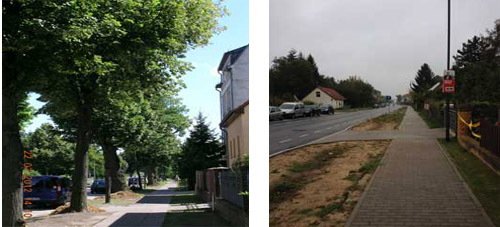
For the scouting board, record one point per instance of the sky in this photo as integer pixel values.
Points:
(200, 94)
(384, 42)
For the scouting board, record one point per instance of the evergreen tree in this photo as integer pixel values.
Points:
(424, 79)
(471, 52)
(201, 150)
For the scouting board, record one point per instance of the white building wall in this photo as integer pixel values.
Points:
(235, 83)
(323, 99)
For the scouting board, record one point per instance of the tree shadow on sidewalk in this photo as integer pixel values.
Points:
(199, 218)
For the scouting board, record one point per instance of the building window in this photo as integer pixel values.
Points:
(239, 150)
(318, 94)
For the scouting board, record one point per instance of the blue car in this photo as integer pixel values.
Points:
(47, 190)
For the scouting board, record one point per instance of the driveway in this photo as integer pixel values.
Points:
(287, 134)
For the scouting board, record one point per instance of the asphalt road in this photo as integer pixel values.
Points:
(290, 133)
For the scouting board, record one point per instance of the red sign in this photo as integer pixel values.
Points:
(448, 82)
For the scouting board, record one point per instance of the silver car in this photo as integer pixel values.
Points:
(292, 109)
(275, 113)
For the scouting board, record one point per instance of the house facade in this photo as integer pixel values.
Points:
(234, 104)
(322, 95)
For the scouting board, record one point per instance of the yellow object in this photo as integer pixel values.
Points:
(471, 125)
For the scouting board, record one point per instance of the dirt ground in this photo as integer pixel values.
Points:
(68, 219)
(370, 125)
(328, 197)
(385, 122)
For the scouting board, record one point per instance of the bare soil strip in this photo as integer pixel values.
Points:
(319, 185)
(389, 121)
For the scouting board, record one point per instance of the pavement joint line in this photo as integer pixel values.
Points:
(367, 188)
(303, 135)
(284, 141)
(467, 188)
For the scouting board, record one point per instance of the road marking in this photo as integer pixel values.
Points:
(317, 131)
(304, 135)
(329, 128)
(284, 141)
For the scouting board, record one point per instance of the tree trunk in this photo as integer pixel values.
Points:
(108, 188)
(12, 151)
(140, 179)
(79, 189)
(150, 176)
(112, 166)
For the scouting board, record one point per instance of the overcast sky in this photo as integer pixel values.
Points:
(384, 42)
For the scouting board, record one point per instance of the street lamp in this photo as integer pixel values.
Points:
(448, 68)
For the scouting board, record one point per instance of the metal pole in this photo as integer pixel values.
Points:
(447, 118)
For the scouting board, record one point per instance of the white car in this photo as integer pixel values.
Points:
(292, 109)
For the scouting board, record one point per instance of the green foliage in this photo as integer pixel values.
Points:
(31, 173)
(96, 162)
(52, 155)
(328, 209)
(357, 92)
(201, 150)
(82, 56)
(242, 165)
(477, 66)
(483, 181)
(424, 80)
(294, 76)
(25, 112)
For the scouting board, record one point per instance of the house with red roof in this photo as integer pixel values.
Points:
(323, 95)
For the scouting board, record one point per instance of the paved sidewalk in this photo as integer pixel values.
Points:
(148, 211)
(416, 185)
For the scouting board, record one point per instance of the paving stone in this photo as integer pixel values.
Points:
(415, 185)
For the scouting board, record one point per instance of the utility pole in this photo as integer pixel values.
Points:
(447, 118)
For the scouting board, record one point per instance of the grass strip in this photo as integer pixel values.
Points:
(431, 122)
(185, 198)
(393, 117)
(484, 183)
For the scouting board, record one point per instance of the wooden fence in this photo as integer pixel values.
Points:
(490, 137)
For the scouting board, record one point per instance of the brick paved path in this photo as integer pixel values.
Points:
(416, 185)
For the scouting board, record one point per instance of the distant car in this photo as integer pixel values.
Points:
(98, 186)
(382, 104)
(376, 105)
(47, 190)
(133, 182)
(292, 109)
(327, 109)
(275, 113)
(311, 110)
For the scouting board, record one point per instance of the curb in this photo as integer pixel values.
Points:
(367, 189)
(469, 191)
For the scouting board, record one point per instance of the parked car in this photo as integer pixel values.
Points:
(311, 110)
(292, 109)
(275, 113)
(133, 182)
(327, 109)
(98, 186)
(47, 190)
(376, 105)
